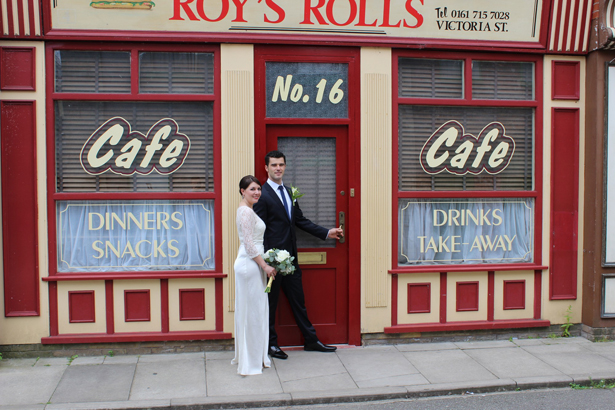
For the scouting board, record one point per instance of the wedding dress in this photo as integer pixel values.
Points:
(251, 302)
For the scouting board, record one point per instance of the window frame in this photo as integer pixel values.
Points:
(134, 96)
(466, 101)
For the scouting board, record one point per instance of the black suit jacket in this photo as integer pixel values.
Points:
(281, 231)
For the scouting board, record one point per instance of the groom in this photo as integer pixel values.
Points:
(282, 215)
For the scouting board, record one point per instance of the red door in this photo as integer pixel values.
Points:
(317, 164)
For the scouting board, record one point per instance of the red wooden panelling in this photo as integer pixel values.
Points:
(537, 294)
(514, 294)
(192, 304)
(137, 306)
(81, 306)
(109, 306)
(467, 296)
(443, 286)
(19, 216)
(566, 80)
(17, 68)
(419, 297)
(164, 305)
(490, 295)
(564, 203)
(474, 325)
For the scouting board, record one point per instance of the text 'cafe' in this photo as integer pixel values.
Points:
(444, 137)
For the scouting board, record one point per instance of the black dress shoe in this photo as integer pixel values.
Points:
(275, 351)
(319, 347)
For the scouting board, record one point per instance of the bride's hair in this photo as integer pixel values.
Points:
(245, 182)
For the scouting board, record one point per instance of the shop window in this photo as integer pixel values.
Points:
(135, 173)
(466, 149)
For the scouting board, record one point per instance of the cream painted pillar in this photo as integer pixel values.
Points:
(237, 123)
(376, 188)
(555, 310)
(27, 330)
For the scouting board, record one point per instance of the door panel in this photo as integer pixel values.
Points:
(317, 164)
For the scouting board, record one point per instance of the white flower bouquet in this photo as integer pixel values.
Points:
(281, 261)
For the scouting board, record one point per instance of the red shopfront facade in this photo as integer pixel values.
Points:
(446, 142)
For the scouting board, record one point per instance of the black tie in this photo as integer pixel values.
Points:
(281, 188)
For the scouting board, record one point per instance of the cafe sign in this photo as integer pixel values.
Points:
(115, 147)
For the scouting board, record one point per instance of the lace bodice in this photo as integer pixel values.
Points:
(251, 231)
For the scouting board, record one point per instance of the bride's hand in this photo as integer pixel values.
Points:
(269, 270)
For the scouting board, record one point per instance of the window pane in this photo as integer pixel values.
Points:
(418, 123)
(424, 78)
(465, 231)
(502, 80)
(92, 71)
(311, 168)
(176, 73)
(76, 121)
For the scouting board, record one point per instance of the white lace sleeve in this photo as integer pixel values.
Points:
(247, 222)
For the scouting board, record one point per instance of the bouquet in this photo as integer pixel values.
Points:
(281, 261)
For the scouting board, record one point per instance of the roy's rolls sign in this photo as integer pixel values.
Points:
(115, 147)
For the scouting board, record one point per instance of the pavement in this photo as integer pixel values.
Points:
(203, 380)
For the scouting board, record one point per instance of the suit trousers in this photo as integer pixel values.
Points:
(292, 286)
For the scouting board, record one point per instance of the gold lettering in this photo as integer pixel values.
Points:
(137, 222)
(180, 223)
(158, 250)
(128, 249)
(97, 249)
(138, 249)
(109, 246)
(115, 217)
(147, 220)
(101, 221)
(173, 248)
(162, 221)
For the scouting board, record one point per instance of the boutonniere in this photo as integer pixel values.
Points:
(295, 194)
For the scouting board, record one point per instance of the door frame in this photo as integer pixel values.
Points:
(346, 55)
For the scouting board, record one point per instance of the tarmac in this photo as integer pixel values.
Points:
(204, 380)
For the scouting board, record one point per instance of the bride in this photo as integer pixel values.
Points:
(251, 272)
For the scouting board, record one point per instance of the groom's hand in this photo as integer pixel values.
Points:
(335, 233)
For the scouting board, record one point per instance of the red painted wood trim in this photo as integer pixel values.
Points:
(565, 22)
(443, 296)
(478, 325)
(33, 23)
(53, 309)
(465, 268)
(581, 45)
(9, 18)
(133, 275)
(164, 305)
(63, 196)
(468, 285)
(134, 337)
(189, 309)
(575, 25)
(19, 208)
(537, 294)
(466, 194)
(394, 299)
(490, 296)
(109, 307)
(20, 15)
(1, 25)
(72, 309)
(564, 203)
(426, 304)
(23, 68)
(556, 93)
(132, 316)
(507, 305)
(219, 305)
(132, 97)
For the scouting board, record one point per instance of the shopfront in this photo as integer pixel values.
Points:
(447, 141)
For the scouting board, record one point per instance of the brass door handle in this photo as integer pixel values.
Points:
(342, 226)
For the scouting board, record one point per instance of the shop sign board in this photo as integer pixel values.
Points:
(466, 231)
(609, 180)
(111, 236)
(486, 20)
(306, 90)
(115, 147)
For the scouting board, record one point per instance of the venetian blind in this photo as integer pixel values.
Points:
(502, 80)
(92, 71)
(417, 123)
(176, 73)
(75, 121)
(310, 166)
(427, 78)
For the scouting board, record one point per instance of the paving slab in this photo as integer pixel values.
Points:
(307, 365)
(220, 355)
(136, 404)
(403, 380)
(527, 342)
(336, 396)
(25, 407)
(28, 385)
(377, 362)
(165, 358)
(244, 401)
(449, 366)
(535, 382)
(341, 381)
(87, 360)
(440, 389)
(487, 344)
(52, 361)
(94, 383)
(571, 358)
(174, 376)
(6, 363)
(422, 347)
(223, 380)
(511, 363)
(127, 359)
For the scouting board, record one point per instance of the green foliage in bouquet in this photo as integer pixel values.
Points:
(281, 261)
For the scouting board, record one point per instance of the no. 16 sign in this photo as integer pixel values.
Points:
(307, 90)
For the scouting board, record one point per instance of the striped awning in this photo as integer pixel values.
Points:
(570, 26)
(20, 18)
